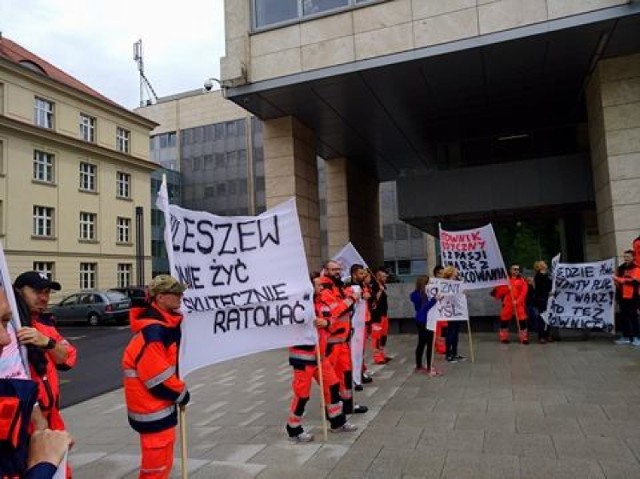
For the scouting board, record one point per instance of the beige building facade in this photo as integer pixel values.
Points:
(74, 171)
(526, 109)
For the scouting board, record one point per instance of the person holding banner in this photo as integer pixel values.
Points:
(422, 304)
(453, 327)
(513, 299)
(304, 360)
(48, 351)
(152, 387)
(627, 279)
(337, 304)
(542, 286)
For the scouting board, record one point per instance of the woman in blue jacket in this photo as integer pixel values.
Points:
(422, 304)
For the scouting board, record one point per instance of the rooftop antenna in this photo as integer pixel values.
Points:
(145, 84)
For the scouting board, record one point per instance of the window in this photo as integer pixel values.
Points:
(123, 185)
(42, 221)
(270, 12)
(88, 176)
(124, 225)
(44, 267)
(88, 226)
(43, 166)
(43, 113)
(1, 156)
(124, 275)
(87, 128)
(122, 139)
(88, 275)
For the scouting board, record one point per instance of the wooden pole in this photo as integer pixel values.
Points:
(473, 358)
(183, 441)
(321, 383)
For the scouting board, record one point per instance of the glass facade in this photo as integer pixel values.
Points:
(275, 12)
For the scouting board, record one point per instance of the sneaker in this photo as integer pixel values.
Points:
(421, 369)
(635, 342)
(460, 358)
(433, 373)
(302, 437)
(346, 427)
(358, 387)
(622, 341)
(358, 409)
(366, 379)
(389, 358)
(451, 359)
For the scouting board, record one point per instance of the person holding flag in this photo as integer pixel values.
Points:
(304, 360)
(152, 387)
(513, 299)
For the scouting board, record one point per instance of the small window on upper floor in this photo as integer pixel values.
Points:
(87, 128)
(122, 139)
(274, 12)
(43, 114)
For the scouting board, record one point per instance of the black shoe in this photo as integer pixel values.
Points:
(358, 409)
(366, 379)
(451, 359)
(358, 387)
(460, 358)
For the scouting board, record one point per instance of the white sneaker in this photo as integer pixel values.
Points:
(635, 342)
(302, 437)
(622, 341)
(346, 427)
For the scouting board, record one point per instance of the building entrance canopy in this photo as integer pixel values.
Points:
(394, 112)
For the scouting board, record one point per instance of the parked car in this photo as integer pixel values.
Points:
(92, 307)
(137, 295)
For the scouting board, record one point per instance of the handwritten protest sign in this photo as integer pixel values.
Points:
(452, 305)
(476, 255)
(583, 296)
(12, 364)
(248, 282)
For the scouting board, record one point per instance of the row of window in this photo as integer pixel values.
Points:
(44, 116)
(88, 273)
(44, 225)
(270, 12)
(44, 171)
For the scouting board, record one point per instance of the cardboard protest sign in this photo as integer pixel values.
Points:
(452, 306)
(583, 296)
(13, 360)
(248, 282)
(476, 255)
(347, 257)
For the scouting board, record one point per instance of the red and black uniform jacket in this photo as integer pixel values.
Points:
(17, 398)
(627, 279)
(336, 306)
(152, 387)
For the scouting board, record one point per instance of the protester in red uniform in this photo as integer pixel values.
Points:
(337, 306)
(47, 350)
(152, 387)
(304, 360)
(627, 279)
(513, 299)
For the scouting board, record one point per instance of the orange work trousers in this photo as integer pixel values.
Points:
(340, 359)
(379, 332)
(157, 454)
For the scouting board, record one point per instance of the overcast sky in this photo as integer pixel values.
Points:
(92, 40)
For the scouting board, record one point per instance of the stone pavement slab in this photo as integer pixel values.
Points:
(563, 410)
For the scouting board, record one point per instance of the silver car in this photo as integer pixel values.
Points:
(92, 307)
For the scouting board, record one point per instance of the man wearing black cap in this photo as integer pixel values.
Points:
(47, 350)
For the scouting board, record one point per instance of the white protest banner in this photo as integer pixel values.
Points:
(347, 257)
(13, 360)
(583, 296)
(452, 305)
(249, 289)
(476, 255)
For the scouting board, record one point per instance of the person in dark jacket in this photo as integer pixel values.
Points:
(422, 304)
(542, 286)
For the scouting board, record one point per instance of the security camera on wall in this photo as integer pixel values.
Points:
(208, 84)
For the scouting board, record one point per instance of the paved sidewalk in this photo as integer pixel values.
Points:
(568, 409)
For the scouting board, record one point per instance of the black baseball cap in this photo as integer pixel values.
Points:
(36, 281)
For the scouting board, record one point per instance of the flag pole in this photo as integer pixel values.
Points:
(323, 404)
(183, 442)
(473, 357)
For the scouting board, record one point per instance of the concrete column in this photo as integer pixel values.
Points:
(291, 171)
(613, 103)
(353, 210)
